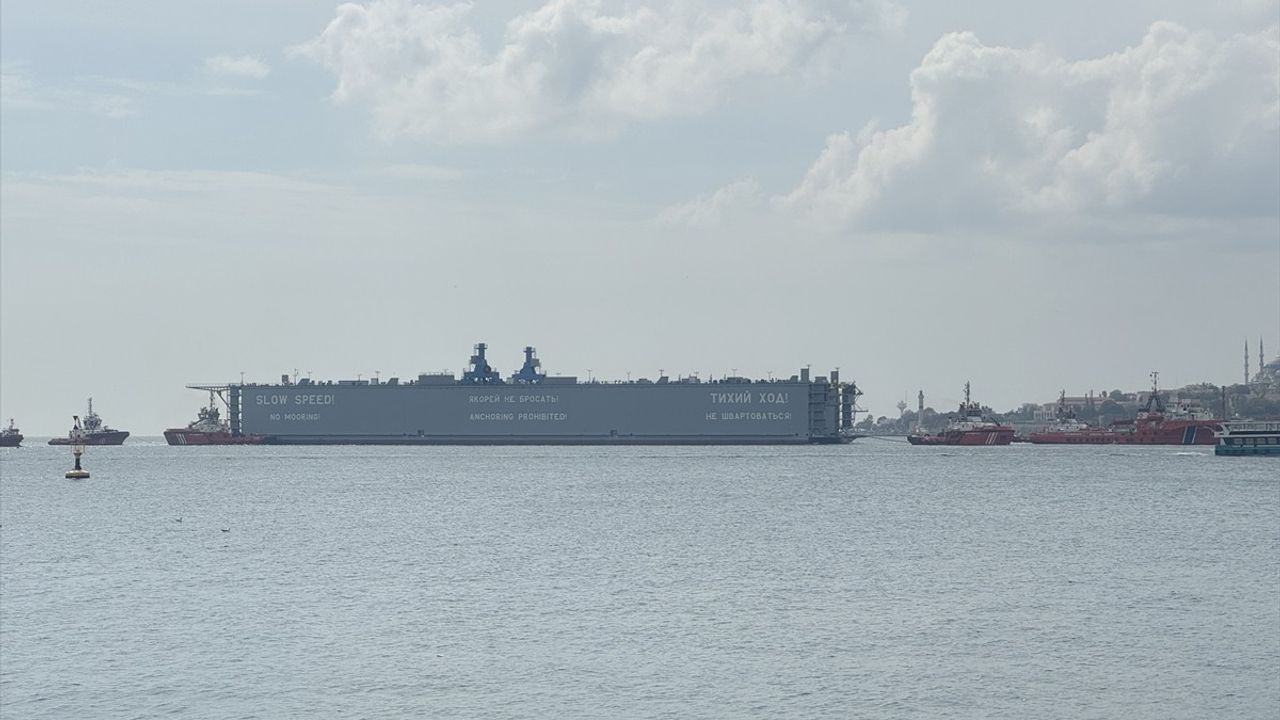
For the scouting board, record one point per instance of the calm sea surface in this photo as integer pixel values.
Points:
(874, 580)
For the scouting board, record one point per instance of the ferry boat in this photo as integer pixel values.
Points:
(10, 436)
(969, 427)
(91, 431)
(1249, 437)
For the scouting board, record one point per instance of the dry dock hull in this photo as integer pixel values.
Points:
(530, 407)
(549, 440)
(749, 413)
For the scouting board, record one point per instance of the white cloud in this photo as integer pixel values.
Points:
(159, 88)
(714, 209)
(18, 91)
(411, 171)
(1181, 124)
(567, 66)
(114, 107)
(173, 182)
(245, 66)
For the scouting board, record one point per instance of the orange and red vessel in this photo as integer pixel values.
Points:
(970, 426)
(210, 429)
(1155, 424)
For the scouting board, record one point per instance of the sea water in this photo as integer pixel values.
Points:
(874, 580)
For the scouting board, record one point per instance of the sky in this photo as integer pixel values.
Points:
(1027, 196)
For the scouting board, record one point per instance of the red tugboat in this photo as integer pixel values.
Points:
(1156, 424)
(92, 431)
(10, 436)
(210, 429)
(971, 427)
(1183, 424)
(1067, 430)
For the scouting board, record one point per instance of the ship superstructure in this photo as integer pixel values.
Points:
(10, 436)
(530, 407)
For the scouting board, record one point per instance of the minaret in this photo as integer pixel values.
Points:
(1262, 362)
(1246, 362)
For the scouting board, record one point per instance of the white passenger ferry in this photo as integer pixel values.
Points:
(1252, 437)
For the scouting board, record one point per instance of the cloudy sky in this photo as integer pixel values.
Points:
(1029, 196)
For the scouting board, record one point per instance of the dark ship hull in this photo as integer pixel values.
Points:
(111, 437)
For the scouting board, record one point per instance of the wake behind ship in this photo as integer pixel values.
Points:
(532, 408)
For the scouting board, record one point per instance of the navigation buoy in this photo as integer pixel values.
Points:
(77, 473)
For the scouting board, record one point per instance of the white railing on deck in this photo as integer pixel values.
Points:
(1250, 426)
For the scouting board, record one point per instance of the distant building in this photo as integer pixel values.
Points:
(1268, 377)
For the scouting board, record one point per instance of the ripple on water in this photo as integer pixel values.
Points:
(875, 580)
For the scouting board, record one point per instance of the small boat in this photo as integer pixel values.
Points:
(969, 427)
(10, 436)
(91, 431)
(1248, 437)
(210, 429)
